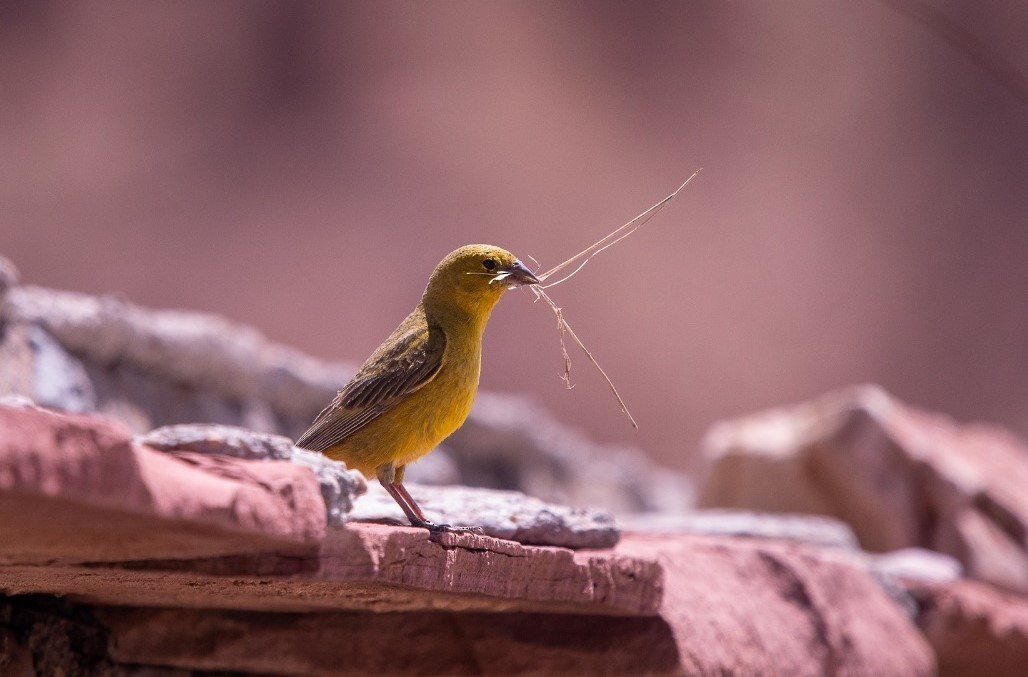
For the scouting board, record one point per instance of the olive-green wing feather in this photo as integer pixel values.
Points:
(409, 359)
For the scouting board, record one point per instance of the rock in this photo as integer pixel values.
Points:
(501, 514)
(61, 381)
(181, 545)
(417, 643)
(728, 607)
(78, 488)
(155, 367)
(77, 492)
(47, 636)
(18, 371)
(915, 564)
(226, 440)
(752, 607)
(200, 561)
(812, 529)
(835, 542)
(974, 628)
(899, 476)
(897, 571)
(364, 567)
(184, 559)
(339, 486)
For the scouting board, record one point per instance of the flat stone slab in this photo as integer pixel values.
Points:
(367, 567)
(508, 515)
(765, 607)
(899, 476)
(77, 488)
(975, 629)
(173, 552)
(812, 529)
(339, 486)
(88, 513)
(729, 606)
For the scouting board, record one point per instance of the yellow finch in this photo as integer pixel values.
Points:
(417, 387)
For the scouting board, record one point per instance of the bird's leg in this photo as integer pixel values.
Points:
(391, 478)
(412, 511)
(387, 478)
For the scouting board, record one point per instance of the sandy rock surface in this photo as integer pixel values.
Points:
(900, 477)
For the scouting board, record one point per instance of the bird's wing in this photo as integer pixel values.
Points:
(409, 359)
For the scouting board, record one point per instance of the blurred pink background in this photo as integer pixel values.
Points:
(862, 214)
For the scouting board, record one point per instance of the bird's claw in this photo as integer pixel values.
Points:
(446, 528)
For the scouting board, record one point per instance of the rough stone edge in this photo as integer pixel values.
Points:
(340, 487)
(110, 436)
(201, 349)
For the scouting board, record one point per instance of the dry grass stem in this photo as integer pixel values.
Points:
(582, 258)
(566, 330)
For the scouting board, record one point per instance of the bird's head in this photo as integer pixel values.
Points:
(475, 276)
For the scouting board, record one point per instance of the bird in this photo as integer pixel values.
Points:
(418, 386)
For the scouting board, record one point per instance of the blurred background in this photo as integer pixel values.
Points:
(862, 214)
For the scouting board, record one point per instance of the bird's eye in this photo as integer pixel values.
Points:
(489, 264)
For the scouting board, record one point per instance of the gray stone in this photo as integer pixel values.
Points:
(61, 381)
(899, 476)
(196, 352)
(812, 529)
(916, 564)
(339, 486)
(902, 572)
(76, 487)
(502, 514)
(212, 438)
(896, 572)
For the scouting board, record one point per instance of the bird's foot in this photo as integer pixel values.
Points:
(445, 528)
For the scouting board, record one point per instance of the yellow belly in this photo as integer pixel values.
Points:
(419, 422)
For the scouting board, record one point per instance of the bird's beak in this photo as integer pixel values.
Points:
(518, 275)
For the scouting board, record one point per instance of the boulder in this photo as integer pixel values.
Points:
(668, 604)
(187, 527)
(78, 488)
(759, 607)
(900, 477)
(810, 529)
(339, 486)
(120, 556)
(727, 607)
(974, 628)
(363, 568)
(157, 367)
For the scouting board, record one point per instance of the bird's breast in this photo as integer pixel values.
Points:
(440, 406)
(456, 384)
